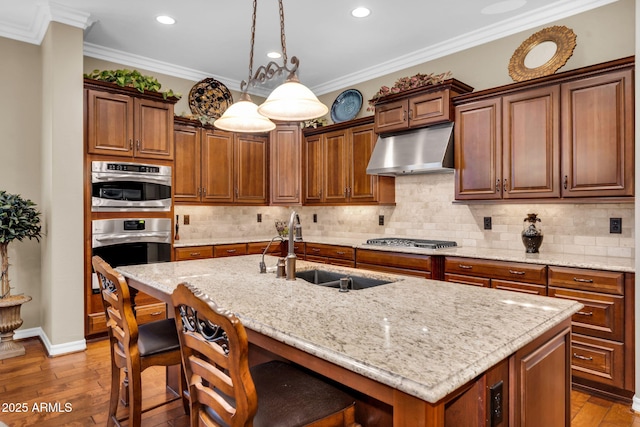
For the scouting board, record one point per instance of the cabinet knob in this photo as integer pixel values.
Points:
(131, 144)
(565, 182)
(505, 186)
(498, 185)
(138, 144)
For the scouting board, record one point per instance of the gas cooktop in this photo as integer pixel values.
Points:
(415, 243)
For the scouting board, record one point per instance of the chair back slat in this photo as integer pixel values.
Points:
(213, 339)
(121, 321)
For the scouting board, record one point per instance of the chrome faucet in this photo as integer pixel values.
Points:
(263, 266)
(291, 256)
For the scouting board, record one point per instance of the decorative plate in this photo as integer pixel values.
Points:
(346, 106)
(542, 54)
(209, 98)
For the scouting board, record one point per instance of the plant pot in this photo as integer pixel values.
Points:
(10, 321)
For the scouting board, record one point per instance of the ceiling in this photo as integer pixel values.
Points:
(336, 50)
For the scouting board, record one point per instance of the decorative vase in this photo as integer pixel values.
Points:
(10, 321)
(532, 234)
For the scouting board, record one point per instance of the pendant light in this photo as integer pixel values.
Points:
(291, 101)
(243, 116)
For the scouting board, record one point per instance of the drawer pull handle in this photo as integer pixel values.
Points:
(156, 313)
(466, 267)
(578, 356)
(585, 313)
(340, 252)
(231, 251)
(520, 273)
(315, 250)
(194, 254)
(577, 279)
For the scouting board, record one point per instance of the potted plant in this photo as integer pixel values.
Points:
(18, 220)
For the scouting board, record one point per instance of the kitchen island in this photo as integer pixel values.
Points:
(432, 351)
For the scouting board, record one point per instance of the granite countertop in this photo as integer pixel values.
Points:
(626, 265)
(420, 336)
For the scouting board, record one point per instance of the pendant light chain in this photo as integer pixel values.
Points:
(283, 40)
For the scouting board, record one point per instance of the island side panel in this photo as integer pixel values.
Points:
(541, 380)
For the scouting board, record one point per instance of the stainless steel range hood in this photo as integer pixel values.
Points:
(426, 150)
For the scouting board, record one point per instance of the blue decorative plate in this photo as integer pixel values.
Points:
(346, 106)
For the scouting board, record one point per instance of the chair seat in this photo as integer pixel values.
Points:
(158, 337)
(289, 397)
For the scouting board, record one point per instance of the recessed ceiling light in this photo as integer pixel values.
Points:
(274, 55)
(164, 19)
(360, 12)
(503, 7)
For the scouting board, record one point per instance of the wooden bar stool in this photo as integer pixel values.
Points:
(224, 391)
(134, 347)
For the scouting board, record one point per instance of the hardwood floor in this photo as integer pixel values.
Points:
(73, 390)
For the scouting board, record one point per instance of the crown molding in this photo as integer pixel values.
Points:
(46, 12)
(507, 27)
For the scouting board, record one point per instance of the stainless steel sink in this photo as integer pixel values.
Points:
(332, 279)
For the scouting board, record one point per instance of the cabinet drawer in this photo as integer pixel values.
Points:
(394, 270)
(514, 271)
(331, 251)
(151, 312)
(259, 247)
(527, 288)
(393, 259)
(193, 252)
(602, 315)
(229, 250)
(589, 280)
(597, 360)
(467, 280)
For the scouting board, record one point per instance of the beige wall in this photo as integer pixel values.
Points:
(20, 153)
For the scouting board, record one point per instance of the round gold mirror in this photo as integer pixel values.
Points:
(542, 54)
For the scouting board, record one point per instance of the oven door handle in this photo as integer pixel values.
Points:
(99, 177)
(132, 237)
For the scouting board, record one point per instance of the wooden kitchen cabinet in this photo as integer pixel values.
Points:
(598, 135)
(418, 107)
(285, 168)
(233, 249)
(509, 147)
(513, 276)
(603, 331)
(276, 248)
(218, 167)
(563, 136)
(330, 254)
(122, 122)
(335, 163)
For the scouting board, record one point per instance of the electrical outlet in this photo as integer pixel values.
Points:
(259, 217)
(496, 412)
(380, 219)
(615, 225)
(487, 223)
(186, 219)
(315, 217)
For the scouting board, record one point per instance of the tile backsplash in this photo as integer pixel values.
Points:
(425, 209)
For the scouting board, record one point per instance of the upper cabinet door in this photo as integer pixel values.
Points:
(392, 116)
(313, 169)
(531, 143)
(217, 167)
(286, 164)
(478, 148)
(153, 122)
(251, 169)
(598, 136)
(336, 177)
(433, 107)
(186, 174)
(363, 187)
(109, 124)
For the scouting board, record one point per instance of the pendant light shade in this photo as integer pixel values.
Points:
(292, 101)
(243, 116)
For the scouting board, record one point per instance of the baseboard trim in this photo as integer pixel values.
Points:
(636, 403)
(52, 350)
